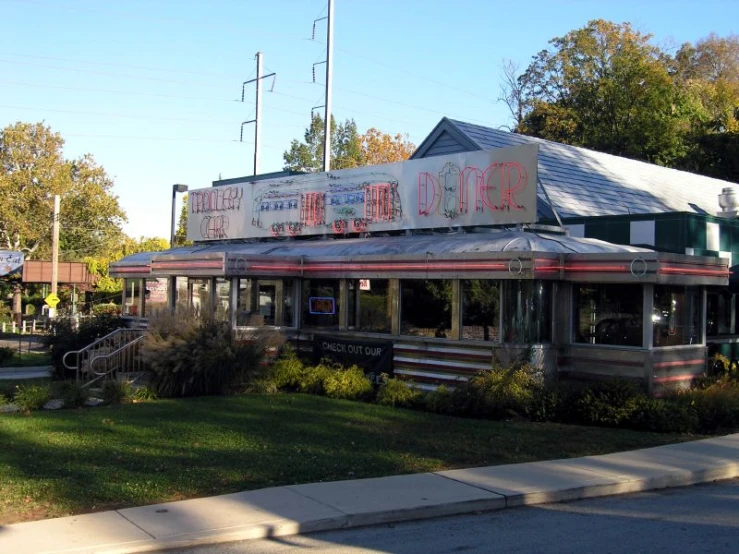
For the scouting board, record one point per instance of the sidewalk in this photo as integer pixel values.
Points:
(29, 372)
(299, 509)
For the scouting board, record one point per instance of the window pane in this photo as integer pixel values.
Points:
(200, 296)
(244, 304)
(676, 317)
(288, 303)
(157, 297)
(223, 300)
(375, 308)
(266, 299)
(133, 297)
(321, 302)
(609, 314)
(182, 300)
(426, 307)
(527, 311)
(480, 299)
(718, 314)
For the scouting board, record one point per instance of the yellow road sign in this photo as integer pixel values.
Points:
(52, 300)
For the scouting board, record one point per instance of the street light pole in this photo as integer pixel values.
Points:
(175, 189)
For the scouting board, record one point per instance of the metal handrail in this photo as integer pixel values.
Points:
(102, 374)
(88, 347)
(101, 347)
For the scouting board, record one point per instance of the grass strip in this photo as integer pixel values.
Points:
(75, 461)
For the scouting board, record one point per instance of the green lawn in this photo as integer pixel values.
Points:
(73, 461)
(28, 359)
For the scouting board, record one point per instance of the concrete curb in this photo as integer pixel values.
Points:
(300, 509)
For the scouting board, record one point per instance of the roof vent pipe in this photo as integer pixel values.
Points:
(729, 202)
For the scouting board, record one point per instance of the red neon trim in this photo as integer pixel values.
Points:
(678, 363)
(420, 266)
(596, 268)
(132, 270)
(673, 378)
(186, 265)
(690, 271)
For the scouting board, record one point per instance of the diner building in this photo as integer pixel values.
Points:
(485, 244)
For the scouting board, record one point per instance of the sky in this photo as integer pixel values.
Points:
(152, 88)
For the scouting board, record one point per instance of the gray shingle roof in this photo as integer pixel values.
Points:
(585, 183)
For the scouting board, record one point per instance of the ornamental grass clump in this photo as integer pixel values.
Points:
(194, 355)
(31, 397)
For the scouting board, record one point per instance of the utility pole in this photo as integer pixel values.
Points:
(55, 247)
(258, 115)
(329, 73)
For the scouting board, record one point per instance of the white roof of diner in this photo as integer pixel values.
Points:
(586, 183)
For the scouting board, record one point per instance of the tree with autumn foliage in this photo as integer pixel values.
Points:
(348, 148)
(382, 148)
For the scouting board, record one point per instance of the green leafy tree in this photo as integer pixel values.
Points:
(180, 236)
(99, 265)
(605, 87)
(346, 147)
(33, 170)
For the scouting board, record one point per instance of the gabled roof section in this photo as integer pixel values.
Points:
(585, 183)
(446, 138)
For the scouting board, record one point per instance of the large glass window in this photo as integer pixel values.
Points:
(182, 299)
(320, 302)
(426, 307)
(609, 314)
(480, 309)
(375, 305)
(718, 314)
(527, 311)
(288, 302)
(133, 297)
(200, 295)
(223, 300)
(676, 316)
(256, 302)
(156, 295)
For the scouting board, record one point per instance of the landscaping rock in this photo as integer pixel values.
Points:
(93, 401)
(54, 404)
(9, 408)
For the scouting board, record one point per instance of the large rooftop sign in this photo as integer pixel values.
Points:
(487, 187)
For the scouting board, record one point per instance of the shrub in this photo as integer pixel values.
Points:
(496, 393)
(116, 392)
(349, 384)
(6, 354)
(395, 392)
(716, 406)
(65, 336)
(607, 403)
(438, 401)
(73, 393)
(31, 397)
(143, 394)
(191, 355)
(313, 380)
(663, 415)
(287, 371)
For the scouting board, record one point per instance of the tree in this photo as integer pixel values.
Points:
(307, 156)
(180, 236)
(604, 87)
(33, 170)
(99, 265)
(381, 148)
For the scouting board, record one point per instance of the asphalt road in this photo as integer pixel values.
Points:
(703, 518)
